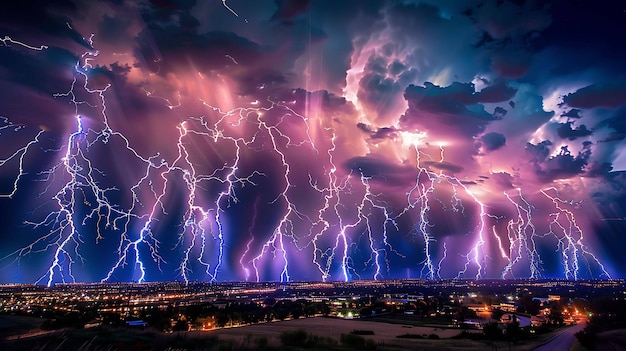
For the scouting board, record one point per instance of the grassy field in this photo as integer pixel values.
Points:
(385, 334)
(19, 322)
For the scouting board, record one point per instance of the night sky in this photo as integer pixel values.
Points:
(312, 140)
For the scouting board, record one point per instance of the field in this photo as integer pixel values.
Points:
(385, 334)
(333, 327)
(18, 327)
(19, 322)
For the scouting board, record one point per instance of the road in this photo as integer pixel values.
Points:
(563, 339)
(523, 321)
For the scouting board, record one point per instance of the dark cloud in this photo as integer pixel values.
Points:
(508, 31)
(492, 141)
(177, 49)
(114, 29)
(29, 81)
(598, 95)
(444, 166)
(613, 137)
(378, 134)
(617, 122)
(539, 152)
(572, 113)
(566, 131)
(379, 169)
(396, 67)
(499, 112)
(495, 93)
(502, 19)
(598, 169)
(561, 166)
(46, 71)
(288, 9)
(511, 64)
(452, 107)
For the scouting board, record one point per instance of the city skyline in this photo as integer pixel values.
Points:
(311, 140)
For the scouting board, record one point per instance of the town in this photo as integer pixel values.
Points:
(491, 309)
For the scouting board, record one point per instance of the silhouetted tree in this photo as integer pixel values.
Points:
(181, 325)
(492, 331)
(497, 314)
(296, 313)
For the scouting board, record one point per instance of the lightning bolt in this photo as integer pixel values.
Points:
(570, 238)
(231, 10)
(7, 41)
(419, 196)
(521, 233)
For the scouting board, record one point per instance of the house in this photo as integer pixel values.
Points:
(477, 307)
(508, 318)
(507, 307)
(545, 311)
(537, 321)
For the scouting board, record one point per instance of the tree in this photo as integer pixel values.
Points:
(497, 314)
(513, 331)
(324, 309)
(528, 305)
(156, 318)
(269, 316)
(282, 313)
(365, 312)
(181, 325)
(269, 302)
(465, 313)
(221, 318)
(296, 313)
(309, 310)
(555, 317)
(492, 331)
(235, 318)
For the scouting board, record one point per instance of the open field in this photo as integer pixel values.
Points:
(19, 322)
(385, 335)
(18, 327)
(333, 327)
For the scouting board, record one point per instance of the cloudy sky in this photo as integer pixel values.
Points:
(312, 140)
